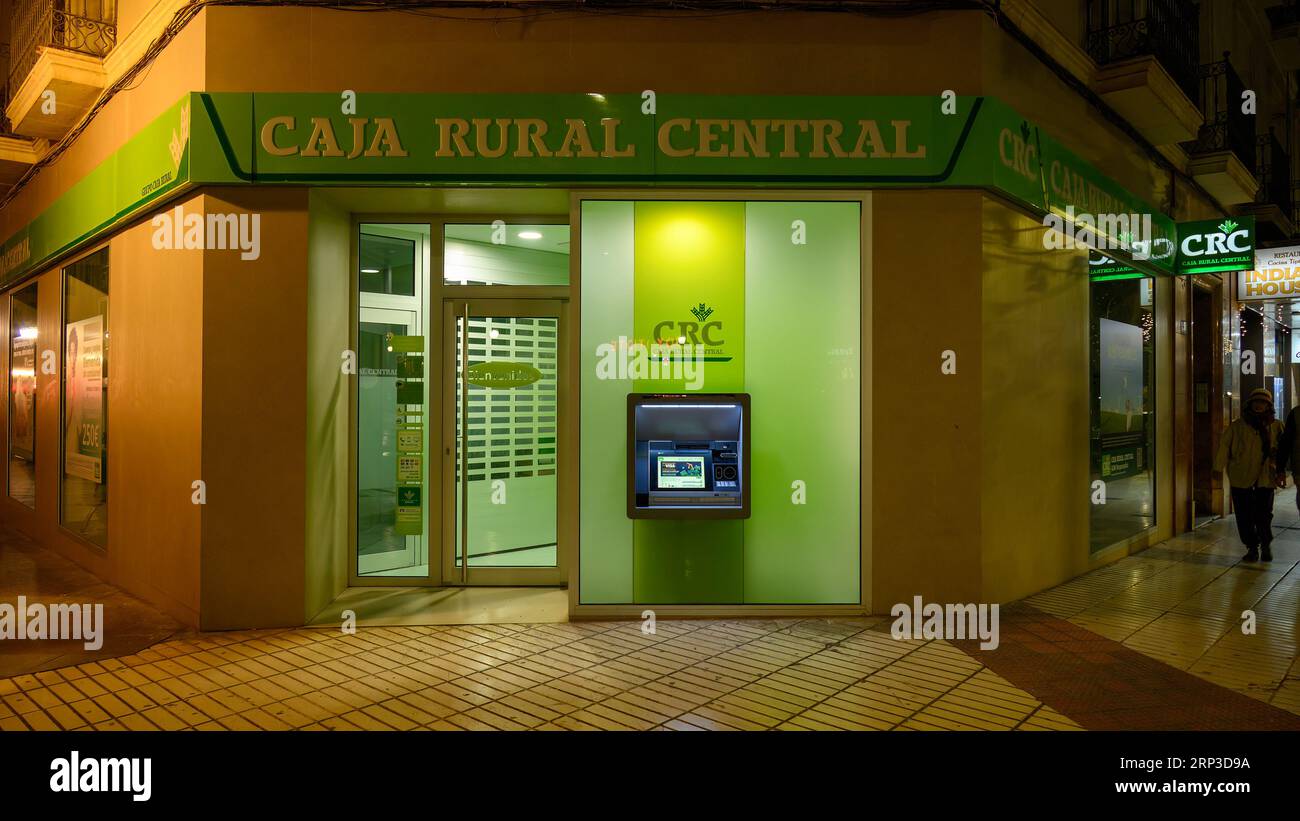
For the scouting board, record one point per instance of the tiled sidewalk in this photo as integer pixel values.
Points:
(1151, 641)
(691, 675)
(1181, 603)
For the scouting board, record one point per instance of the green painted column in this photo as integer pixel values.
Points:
(688, 255)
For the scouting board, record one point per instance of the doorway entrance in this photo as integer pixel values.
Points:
(459, 403)
(1207, 399)
(500, 436)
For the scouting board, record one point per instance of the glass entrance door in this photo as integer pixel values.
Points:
(382, 550)
(501, 415)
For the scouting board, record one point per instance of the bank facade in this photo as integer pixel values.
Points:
(369, 314)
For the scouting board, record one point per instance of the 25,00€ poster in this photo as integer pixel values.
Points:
(84, 399)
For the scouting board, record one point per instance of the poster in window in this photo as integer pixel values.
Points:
(83, 402)
(22, 385)
(1122, 400)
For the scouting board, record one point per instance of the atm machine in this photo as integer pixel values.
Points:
(688, 456)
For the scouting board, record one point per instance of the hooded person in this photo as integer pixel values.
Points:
(1249, 451)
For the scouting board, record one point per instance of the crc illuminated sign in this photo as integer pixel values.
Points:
(1216, 245)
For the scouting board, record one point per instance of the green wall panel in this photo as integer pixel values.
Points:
(685, 561)
(688, 254)
(605, 531)
(789, 334)
(803, 372)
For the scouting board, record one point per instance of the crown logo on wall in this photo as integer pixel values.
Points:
(178, 142)
(1227, 226)
(702, 312)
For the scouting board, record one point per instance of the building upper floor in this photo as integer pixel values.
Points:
(1192, 102)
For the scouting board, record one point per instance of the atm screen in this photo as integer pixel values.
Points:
(678, 472)
(688, 456)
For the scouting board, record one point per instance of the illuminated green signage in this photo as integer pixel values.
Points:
(1207, 246)
(232, 138)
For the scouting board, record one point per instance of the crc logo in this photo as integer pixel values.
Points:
(1230, 240)
(1157, 248)
(694, 333)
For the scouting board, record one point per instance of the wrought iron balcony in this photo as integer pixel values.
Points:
(1274, 173)
(1168, 30)
(6, 130)
(85, 26)
(1226, 127)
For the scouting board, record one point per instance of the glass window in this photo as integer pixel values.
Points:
(500, 254)
(85, 398)
(1123, 409)
(392, 395)
(22, 395)
(387, 264)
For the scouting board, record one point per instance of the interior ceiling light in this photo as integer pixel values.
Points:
(530, 235)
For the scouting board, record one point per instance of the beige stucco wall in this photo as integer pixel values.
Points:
(255, 416)
(329, 479)
(925, 436)
(154, 425)
(1033, 482)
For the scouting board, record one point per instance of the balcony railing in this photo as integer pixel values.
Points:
(85, 26)
(5, 129)
(1274, 173)
(1226, 127)
(1168, 30)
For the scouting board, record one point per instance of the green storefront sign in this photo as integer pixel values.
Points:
(1207, 246)
(422, 139)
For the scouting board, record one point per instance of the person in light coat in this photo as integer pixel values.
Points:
(1249, 452)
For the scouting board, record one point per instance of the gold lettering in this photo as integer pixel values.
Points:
(481, 137)
(385, 136)
(611, 148)
(322, 133)
(750, 137)
(788, 127)
(666, 139)
(900, 142)
(827, 132)
(708, 138)
(358, 136)
(530, 131)
(268, 137)
(577, 133)
(451, 137)
(869, 137)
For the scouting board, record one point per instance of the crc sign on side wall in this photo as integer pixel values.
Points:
(1206, 246)
(1276, 274)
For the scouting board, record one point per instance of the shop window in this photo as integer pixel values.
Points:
(501, 254)
(1123, 410)
(84, 497)
(391, 334)
(22, 395)
(387, 264)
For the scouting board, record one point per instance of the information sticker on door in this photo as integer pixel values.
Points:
(409, 521)
(410, 440)
(410, 468)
